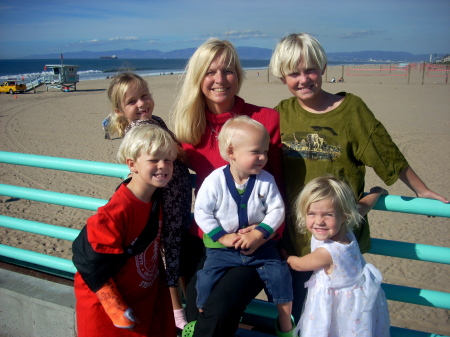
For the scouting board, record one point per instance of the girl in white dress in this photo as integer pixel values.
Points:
(344, 293)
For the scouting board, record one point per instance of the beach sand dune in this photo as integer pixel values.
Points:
(68, 124)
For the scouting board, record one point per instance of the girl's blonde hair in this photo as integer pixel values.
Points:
(331, 188)
(234, 130)
(146, 139)
(188, 113)
(116, 93)
(296, 49)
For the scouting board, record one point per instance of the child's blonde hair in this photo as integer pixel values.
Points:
(146, 139)
(116, 93)
(234, 130)
(295, 49)
(188, 113)
(328, 187)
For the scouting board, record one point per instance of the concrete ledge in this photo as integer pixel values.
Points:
(33, 307)
(35, 304)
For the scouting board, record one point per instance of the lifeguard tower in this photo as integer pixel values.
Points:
(63, 78)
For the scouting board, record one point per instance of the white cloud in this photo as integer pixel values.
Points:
(243, 35)
(97, 42)
(119, 39)
(362, 34)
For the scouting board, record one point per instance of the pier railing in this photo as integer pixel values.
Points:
(65, 268)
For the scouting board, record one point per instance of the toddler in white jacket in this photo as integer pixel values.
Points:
(236, 196)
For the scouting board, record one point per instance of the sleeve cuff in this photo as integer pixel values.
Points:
(265, 229)
(217, 233)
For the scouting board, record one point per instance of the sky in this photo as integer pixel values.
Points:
(29, 27)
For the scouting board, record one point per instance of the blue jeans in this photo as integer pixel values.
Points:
(272, 270)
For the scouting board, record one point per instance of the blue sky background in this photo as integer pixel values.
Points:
(30, 27)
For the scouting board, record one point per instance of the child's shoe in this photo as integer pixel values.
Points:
(285, 334)
(188, 330)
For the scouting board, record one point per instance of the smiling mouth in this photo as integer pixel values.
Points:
(219, 89)
(305, 88)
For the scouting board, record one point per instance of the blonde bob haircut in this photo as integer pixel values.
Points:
(148, 139)
(188, 113)
(331, 188)
(235, 130)
(116, 94)
(296, 49)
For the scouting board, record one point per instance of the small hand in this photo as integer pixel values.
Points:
(428, 194)
(229, 240)
(432, 195)
(255, 240)
(247, 241)
(247, 229)
(129, 314)
(379, 190)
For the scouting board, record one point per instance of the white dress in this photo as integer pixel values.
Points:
(350, 301)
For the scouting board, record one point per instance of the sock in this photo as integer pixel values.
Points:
(180, 318)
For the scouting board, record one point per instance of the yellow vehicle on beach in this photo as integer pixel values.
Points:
(13, 86)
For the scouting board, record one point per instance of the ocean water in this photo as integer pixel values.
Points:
(92, 69)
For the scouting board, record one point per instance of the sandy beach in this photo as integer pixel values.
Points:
(68, 124)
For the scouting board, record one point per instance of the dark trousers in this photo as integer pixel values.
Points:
(224, 307)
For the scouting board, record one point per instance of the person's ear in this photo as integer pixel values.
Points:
(283, 80)
(324, 68)
(230, 152)
(117, 111)
(131, 165)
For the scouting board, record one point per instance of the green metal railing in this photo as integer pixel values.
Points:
(32, 259)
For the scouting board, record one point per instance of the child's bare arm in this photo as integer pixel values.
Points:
(412, 180)
(320, 258)
(367, 202)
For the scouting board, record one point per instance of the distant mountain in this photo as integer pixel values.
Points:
(245, 53)
(378, 56)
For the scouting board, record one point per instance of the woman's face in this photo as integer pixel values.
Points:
(219, 85)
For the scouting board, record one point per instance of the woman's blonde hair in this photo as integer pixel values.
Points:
(234, 130)
(146, 139)
(188, 113)
(331, 188)
(116, 93)
(296, 49)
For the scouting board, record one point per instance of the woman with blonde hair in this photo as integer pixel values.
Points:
(207, 99)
